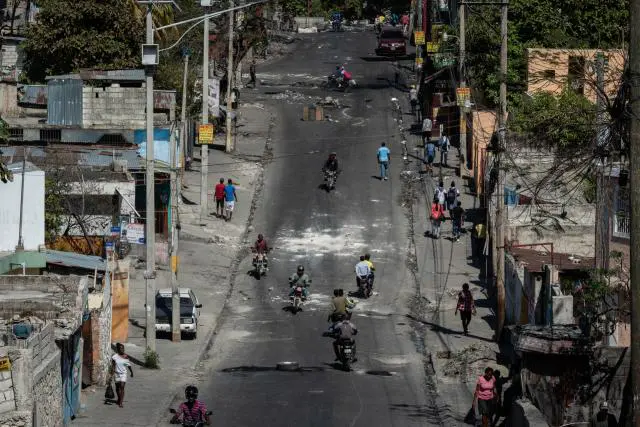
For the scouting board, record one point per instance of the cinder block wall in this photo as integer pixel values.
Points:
(122, 107)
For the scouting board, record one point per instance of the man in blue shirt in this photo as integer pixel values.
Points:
(230, 199)
(384, 157)
(429, 152)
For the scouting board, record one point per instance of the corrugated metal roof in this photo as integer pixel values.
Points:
(100, 157)
(71, 259)
(64, 104)
(117, 75)
(17, 151)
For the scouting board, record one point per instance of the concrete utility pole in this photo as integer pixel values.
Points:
(150, 238)
(229, 143)
(175, 291)
(20, 246)
(183, 118)
(463, 83)
(204, 148)
(634, 192)
(500, 210)
(602, 202)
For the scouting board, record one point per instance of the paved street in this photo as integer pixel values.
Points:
(326, 233)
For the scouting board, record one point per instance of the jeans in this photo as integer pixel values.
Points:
(435, 228)
(443, 157)
(383, 169)
(456, 228)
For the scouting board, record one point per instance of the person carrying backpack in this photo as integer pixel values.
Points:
(452, 196)
(444, 145)
(440, 194)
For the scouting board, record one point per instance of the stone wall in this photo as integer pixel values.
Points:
(47, 392)
(7, 398)
(113, 106)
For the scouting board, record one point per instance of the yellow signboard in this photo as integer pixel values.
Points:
(463, 94)
(433, 47)
(174, 263)
(418, 37)
(5, 364)
(206, 133)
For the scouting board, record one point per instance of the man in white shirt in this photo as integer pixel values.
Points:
(444, 145)
(119, 365)
(413, 99)
(363, 271)
(426, 129)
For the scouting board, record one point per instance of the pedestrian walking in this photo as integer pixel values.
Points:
(230, 199)
(485, 396)
(457, 219)
(444, 145)
(466, 306)
(427, 125)
(480, 237)
(441, 194)
(413, 99)
(119, 365)
(384, 158)
(252, 73)
(604, 418)
(219, 195)
(452, 196)
(437, 215)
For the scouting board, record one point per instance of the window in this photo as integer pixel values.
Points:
(549, 74)
(575, 77)
(16, 134)
(50, 135)
(622, 219)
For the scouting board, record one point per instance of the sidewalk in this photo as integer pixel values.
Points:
(208, 256)
(443, 266)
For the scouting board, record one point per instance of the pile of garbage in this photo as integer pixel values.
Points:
(471, 359)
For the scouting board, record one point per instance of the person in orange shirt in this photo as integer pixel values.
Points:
(437, 215)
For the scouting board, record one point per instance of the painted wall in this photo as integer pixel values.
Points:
(33, 215)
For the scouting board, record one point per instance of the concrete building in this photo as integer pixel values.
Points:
(553, 70)
(41, 340)
(33, 212)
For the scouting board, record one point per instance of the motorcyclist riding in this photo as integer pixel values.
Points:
(261, 248)
(344, 332)
(363, 271)
(299, 278)
(331, 164)
(367, 259)
(340, 305)
(191, 411)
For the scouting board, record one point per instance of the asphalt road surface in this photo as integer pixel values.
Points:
(325, 232)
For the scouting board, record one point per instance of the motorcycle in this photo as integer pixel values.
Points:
(347, 352)
(330, 179)
(260, 267)
(340, 83)
(365, 285)
(297, 299)
(191, 424)
(337, 25)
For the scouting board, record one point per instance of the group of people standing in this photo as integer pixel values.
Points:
(446, 200)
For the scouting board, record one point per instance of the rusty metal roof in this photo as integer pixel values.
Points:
(535, 260)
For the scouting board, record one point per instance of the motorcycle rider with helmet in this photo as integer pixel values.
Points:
(300, 278)
(331, 165)
(191, 411)
(344, 332)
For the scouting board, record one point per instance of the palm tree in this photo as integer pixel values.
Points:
(162, 14)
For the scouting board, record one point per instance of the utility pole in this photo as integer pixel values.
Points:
(463, 84)
(20, 246)
(150, 238)
(502, 133)
(183, 117)
(602, 217)
(229, 142)
(634, 193)
(175, 229)
(204, 148)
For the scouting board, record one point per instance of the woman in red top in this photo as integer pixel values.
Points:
(437, 215)
(485, 395)
(220, 198)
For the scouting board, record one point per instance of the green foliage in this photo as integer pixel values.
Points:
(151, 359)
(541, 23)
(566, 121)
(73, 34)
(54, 191)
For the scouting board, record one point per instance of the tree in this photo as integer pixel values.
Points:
(161, 14)
(72, 34)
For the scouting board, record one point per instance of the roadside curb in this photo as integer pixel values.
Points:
(209, 340)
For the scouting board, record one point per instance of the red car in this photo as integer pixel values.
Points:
(391, 42)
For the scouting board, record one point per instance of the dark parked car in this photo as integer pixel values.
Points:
(391, 42)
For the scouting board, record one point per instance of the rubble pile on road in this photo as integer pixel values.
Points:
(469, 359)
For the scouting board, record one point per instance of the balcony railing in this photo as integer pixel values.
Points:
(622, 225)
